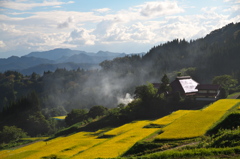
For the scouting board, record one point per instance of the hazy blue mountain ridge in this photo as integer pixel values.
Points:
(39, 62)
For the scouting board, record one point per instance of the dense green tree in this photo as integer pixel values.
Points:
(223, 93)
(225, 81)
(11, 133)
(76, 115)
(34, 76)
(35, 124)
(165, 85)
(97, 110)
(26, 114)
(145, 92)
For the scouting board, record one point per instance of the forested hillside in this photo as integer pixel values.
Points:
(62, 90)
(215, 54)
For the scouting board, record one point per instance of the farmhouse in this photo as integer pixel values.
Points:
(189, 88)
(185, 85)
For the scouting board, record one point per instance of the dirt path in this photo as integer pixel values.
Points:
(235, 96)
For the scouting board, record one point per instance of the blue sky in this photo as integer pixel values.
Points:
(129, 26)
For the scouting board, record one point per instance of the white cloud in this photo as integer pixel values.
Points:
(234, 9)
(81, 37)
(102, 10)
(16, 39)
(117, 34)
(2, 44)
(9, 30)
(27, 5)
(142, 33)
(234, 1)
(160, 8)
(66, 24)
(105, 25)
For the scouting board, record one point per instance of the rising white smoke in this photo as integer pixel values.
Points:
(125, 100)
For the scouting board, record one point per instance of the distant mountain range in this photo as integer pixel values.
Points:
(39, 62)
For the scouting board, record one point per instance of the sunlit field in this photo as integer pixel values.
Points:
(126, 127)
(223, 105)
(59, 117)
(196, 123)
(170, 118)
(62, 146)
(117, 145)
(85, 144)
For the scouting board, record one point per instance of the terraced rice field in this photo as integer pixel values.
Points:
(117, 145)
(61, 146)
(126, 127)
(171, 118)
(197, 122)
(87, 145)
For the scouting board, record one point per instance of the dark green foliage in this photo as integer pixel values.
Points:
(142, 147)
(176, 97)
(26, 114)
(69, 130)
(223, 93)
(165, 85)
(11, 134)
(14, 85)
(146, 92)
(151, 104)
(97, 111)
(75, 116)
(225, 81)
(81, 115)
(227, 138)
(194, 153)
(12, 144)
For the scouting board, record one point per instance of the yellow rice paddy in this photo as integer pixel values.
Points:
(197, 122)
(85, 144)
(59, 117)
(117, 145)
(61, 146)
(126, 127)
(170, 118)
